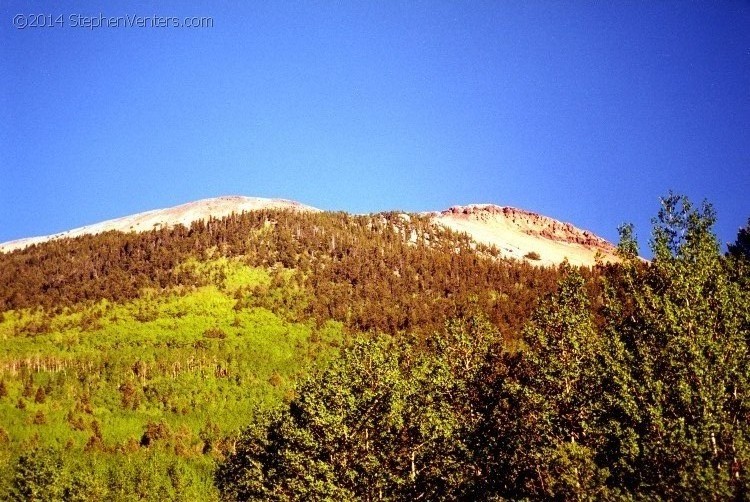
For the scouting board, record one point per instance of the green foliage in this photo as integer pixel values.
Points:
(678, 359)
(387, 421)
(49, 474)
(302, 266)
(37, 476)
(738, 258)
(556, 386)
(130, 361)
(741, 247)
(201, 329)
(627, 247)
(115, 379)
(641, 395)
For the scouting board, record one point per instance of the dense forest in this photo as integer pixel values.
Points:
(278, 355)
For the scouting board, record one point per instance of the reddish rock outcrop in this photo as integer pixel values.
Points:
(518, 232)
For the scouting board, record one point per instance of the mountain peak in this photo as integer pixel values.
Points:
(517, 233)
(184, 214)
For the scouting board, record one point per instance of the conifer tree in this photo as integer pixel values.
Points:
(741, 247)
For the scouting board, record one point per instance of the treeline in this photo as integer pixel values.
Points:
(642, 396)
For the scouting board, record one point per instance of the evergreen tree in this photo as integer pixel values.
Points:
(741, 247)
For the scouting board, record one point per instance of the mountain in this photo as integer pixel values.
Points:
(183, 214)
(186, 363)
(517, 233)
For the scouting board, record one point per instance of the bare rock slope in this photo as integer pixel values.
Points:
(515, 232)
(183, 214)
(522, 234)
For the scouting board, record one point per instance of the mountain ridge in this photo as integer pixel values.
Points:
(517, 233)
(184, 214)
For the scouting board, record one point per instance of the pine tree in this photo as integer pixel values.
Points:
(741, 247)
(40, 395)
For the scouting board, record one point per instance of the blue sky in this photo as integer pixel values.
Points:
(584, 111)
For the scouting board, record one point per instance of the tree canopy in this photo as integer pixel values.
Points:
(645, 394)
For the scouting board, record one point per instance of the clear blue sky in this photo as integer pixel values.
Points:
(584, 111)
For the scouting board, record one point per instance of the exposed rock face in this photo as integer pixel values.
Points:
(183, 214)
(518, 233)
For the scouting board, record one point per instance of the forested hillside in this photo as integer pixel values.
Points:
(278, 355)
(644, 395)
(131, 361)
